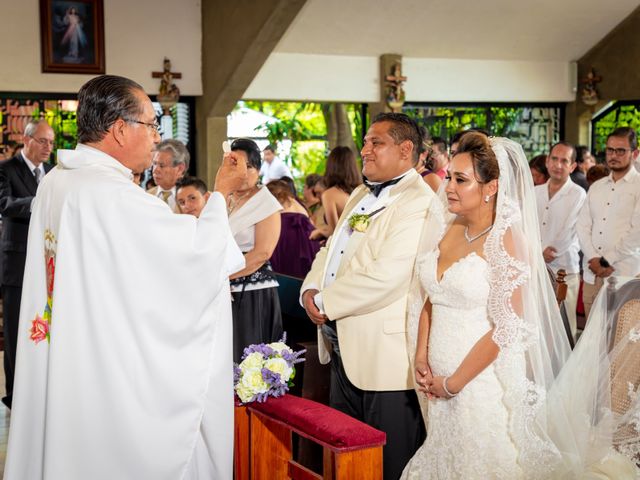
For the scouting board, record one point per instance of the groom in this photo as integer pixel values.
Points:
(356, 291)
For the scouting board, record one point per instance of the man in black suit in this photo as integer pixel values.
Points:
(19, 178)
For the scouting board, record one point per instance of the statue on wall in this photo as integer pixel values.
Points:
(395, 93)
(169, 93)
(589, 93)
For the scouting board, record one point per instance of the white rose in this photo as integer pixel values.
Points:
(244, 394)
(252, 381)
(278, 365)
(252, 362)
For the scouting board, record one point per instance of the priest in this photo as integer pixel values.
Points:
(124, 363)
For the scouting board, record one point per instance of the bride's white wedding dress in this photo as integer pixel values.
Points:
(467, 436)
(536, 412)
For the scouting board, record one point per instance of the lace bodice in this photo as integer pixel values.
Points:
(463, 285)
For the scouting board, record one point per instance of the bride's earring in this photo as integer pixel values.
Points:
(486, 198)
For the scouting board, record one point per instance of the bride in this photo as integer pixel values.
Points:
(488, 340)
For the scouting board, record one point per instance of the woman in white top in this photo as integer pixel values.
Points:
(255, 224)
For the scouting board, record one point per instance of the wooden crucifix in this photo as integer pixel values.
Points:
(169, 93)
(395, 92)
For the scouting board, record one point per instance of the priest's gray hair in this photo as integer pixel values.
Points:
(179, 153)
(32, 126)
(102, 101)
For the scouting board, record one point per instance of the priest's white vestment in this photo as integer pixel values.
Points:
(124, 367)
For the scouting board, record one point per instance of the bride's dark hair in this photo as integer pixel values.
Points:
(483, 158)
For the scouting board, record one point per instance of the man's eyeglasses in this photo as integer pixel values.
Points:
(44, 142)
(617, 151)
(154, 126)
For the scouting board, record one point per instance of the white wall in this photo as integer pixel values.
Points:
(290, 76)
(138, 35)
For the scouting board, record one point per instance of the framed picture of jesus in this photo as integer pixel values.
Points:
(72, 36)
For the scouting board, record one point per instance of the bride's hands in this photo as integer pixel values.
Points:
(436, 388)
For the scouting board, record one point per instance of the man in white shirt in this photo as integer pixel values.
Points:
(273, 168)
(609, 222)
(170, 164)
(559, 202)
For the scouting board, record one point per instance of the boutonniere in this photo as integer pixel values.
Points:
(359, 222)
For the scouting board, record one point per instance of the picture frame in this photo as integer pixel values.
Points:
(72, 36)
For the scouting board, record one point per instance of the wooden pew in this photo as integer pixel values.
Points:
(263, 441)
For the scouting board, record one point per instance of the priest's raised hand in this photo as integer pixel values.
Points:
(232, 174)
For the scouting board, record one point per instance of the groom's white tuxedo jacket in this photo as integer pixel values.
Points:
(368, 299)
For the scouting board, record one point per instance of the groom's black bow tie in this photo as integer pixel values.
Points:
(376, 188)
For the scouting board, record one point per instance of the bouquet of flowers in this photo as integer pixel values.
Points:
(265, 370)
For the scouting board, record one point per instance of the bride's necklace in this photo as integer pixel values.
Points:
(475, 237)
(234, 201)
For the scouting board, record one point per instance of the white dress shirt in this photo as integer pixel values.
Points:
(274, 170)
(558, 216)
(609, 224)
(33, 169)
(32, 166)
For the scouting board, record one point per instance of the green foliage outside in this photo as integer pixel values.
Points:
(622, 116)
(63, 123)
(303, 123)
(534, 127)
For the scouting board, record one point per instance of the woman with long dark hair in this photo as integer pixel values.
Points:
(341, 177)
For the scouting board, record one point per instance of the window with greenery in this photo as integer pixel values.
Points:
(312, 129)
(536, 127)
(619, 114)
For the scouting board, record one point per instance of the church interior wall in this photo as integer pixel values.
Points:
(335, 78)
(615, 59)
(138, 35)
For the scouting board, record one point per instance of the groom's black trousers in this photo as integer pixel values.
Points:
(395, 413)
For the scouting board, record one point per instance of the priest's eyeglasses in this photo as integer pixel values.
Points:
(155, 126)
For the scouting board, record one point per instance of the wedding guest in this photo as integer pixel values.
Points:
(170, 164)
(191, 195)
(357, 289)
(426, 162)
(312, 195)
(538, 168)
(341, 177)
(273, 167)
(294, 252)
(559, 201)
(609, 222)
(597, 172)
(439, 157)
(585, 161)
(254, 218)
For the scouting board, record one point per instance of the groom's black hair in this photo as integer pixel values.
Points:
(404, 128)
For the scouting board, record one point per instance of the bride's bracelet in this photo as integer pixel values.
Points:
(446, 390)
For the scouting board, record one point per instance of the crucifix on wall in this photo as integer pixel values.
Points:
(169, 93)
(168, 96)
(395, 92)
